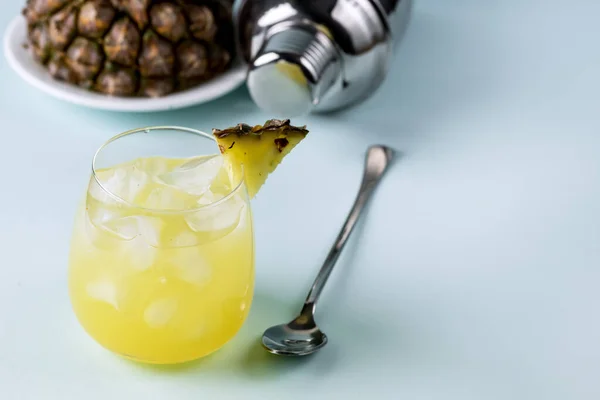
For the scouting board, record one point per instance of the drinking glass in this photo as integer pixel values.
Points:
(161, 267)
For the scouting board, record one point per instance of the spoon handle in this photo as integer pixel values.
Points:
(376, 162)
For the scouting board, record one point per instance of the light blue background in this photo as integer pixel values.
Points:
(475, 275)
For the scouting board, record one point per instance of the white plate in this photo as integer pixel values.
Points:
(21, 60)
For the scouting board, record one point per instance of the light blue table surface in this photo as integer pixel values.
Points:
(475, 276)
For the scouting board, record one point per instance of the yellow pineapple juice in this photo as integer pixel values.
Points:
(161, 267)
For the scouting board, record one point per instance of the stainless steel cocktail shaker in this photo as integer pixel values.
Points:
(316, 55)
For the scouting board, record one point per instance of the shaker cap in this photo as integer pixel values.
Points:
(293, 70)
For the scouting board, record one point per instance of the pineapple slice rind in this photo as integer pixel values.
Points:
(259, 149)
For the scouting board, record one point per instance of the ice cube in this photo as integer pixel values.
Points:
(185, 238)
(129, 228)
(135, 252)
(139, 255)
(219, 219)
(103, 290)
(194, 176)
(190, 266)
(98, 193)
(168, 198)
(197, 274)
(124, 181)
(209, 197)
(101, 207)
(152, 166)
(99, 235)
(160, 312)
(94, 218)
(149, 229)
(135, 238)
(125, 228)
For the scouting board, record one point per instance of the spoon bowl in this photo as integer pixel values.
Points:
(300, 337)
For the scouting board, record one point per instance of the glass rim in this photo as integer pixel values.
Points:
(148, 129)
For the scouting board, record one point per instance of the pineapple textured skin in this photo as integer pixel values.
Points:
(127, 48)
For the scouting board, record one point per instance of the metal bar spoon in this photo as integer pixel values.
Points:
(302, 336)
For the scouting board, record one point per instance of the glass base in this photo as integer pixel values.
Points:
(164, 362)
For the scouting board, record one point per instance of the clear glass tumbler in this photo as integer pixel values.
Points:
(161, 266)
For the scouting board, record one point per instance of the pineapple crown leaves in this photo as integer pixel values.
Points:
(283, 126)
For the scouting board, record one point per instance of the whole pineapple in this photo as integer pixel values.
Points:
(132, 47)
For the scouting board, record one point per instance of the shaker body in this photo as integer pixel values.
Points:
(317, 55)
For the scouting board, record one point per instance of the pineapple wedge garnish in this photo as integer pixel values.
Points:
(259, 149)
